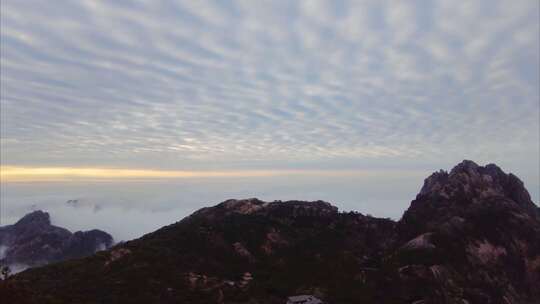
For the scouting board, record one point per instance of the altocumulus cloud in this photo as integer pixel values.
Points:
(267, 84)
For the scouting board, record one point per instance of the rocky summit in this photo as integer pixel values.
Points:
(34, 241)
(471, 236)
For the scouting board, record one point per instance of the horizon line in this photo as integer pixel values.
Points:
(10, 174)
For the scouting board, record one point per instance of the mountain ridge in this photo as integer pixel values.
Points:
(470, 236)
(33, 241)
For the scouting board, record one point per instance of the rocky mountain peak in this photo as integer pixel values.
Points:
(468, 237)
(33, 241)
(302, 209)
(467, 189)
(466, 165)
(244, 206)
(274, 208)
(469, 182)
(35, 218)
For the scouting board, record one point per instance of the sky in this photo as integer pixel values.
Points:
(375, 94)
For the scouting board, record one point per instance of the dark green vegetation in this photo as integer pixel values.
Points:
(470, 236)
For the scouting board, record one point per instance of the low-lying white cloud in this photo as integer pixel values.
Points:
(130, 209)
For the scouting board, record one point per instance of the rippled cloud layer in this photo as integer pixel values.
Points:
(269, 84)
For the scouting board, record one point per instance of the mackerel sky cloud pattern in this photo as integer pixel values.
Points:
(270, 84)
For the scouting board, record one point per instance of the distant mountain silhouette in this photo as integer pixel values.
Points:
(470, 236)
(33, 241)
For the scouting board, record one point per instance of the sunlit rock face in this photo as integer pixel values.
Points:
(470, 236)
(33, 241)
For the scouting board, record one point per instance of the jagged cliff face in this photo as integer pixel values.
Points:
(33, 241)
(479, 229)
(470, 236)
(469, 186)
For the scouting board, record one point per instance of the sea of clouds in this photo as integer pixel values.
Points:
(129, 209)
